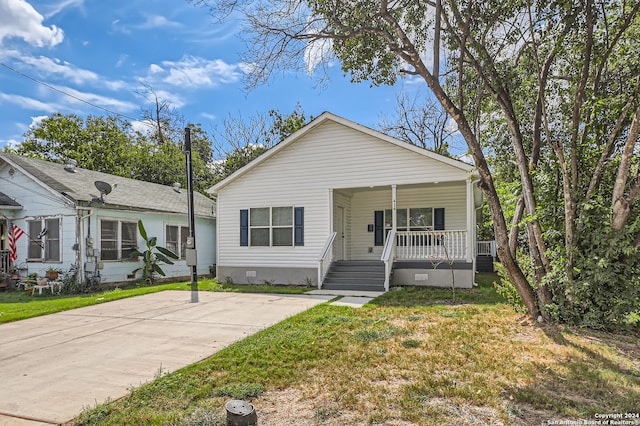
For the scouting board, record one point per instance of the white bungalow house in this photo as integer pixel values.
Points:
(67, 221)
(339, 205)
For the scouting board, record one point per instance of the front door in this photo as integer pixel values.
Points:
(340, 242)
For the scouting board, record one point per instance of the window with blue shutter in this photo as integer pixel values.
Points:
(244, 227)
(298, 226)
(378, 228)
(438, 219)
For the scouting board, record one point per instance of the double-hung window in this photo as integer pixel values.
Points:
(44, 240)
(411, 219)
(272, 227)
(408, 219)
(118, 239)
(176, 239)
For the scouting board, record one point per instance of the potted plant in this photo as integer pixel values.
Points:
(52, 273)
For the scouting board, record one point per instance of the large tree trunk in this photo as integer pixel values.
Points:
(621, 204)
(411, 55)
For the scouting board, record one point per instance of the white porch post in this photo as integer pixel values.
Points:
(394, 196)
(470, 221)
(329, 258)
(330, 211)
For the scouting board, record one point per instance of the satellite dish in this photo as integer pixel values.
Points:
(103, 187)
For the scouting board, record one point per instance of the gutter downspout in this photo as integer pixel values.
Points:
(81, 243)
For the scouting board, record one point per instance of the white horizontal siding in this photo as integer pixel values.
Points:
(38, 203)
(114, 271)
(331, 156)
(450, 196)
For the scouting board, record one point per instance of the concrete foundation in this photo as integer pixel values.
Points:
(424, 274)
(258, 275)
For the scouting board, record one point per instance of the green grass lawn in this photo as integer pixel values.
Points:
(409, 358)
(18, 305)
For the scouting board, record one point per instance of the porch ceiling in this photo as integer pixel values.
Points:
(350, 191)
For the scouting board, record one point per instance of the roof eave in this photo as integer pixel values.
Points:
(326, 116)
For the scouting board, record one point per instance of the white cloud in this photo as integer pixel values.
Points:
(122, 59)
(157, 21)
(193, 72)
(44, 66)
(76, 98)
(452, 126)
(211, 117)
(29, 103)
(55, 8)
(155, 69)
(12, 143)
(149, 97)
(316, 53)
(53, 66)
(142, 126)
(118, 26)
(35, 121)
(18, 19)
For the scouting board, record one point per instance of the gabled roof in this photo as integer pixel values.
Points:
(127, 194)
(8, 203)
(327, 116)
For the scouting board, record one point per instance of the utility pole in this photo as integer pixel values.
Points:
(436, 42)
(191, 254)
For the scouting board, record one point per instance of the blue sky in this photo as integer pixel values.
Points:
(104, 51)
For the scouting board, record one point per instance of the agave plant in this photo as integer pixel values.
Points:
(152, 257)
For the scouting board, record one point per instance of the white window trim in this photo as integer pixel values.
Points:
(409, 227)
(119, 221)
(42, 258)
(179, 226)
(271, 227)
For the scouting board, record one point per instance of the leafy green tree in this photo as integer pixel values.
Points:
(97, 143)
(550, 87)
(109, 144)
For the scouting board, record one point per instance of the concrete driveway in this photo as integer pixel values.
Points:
(53, 366)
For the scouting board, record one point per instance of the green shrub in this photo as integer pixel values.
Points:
(604, 291)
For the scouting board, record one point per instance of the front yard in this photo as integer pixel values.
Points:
(409, 358)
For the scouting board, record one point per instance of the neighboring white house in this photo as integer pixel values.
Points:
(66, 220)
(338, 193)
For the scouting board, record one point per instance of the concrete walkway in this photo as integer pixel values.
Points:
(350, 298)
(53, 366)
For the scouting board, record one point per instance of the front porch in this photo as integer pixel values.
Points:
(414, 226)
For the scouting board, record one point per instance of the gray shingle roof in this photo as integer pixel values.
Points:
(127, 193)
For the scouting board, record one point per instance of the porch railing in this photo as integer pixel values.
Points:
(419, 245)
(388, 256)
(4, 261)
(486, 248)
(324, 261)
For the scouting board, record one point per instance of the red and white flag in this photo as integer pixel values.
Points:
(14, 236)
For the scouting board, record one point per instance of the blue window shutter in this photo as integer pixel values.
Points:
(438, 219)
(244, 227)
(298, 222)
(378, 228)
